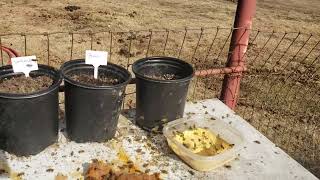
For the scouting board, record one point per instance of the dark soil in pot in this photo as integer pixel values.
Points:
(87, 78)
(157, 76)
(25, 85)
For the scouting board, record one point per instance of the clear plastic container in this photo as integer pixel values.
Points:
(199, 162)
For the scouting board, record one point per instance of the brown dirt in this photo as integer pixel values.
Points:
(72, 8)
(25, 85)
(89, 79)
(63, 15)
(102, 171)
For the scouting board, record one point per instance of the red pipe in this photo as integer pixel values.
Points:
(8, 51)
(224, 70)
(11, 52)
(14, 52)
(238, 47)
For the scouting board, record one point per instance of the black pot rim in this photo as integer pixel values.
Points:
(161, 59)
(56, 83)
(71, 63)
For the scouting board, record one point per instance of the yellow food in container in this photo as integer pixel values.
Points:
(202, 141)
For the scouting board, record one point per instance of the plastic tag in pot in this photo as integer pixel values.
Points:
(24, 64)
(96, 58)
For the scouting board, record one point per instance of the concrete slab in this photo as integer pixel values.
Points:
(260, 159)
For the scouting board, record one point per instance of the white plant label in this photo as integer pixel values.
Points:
(24, 64)
(96, 58)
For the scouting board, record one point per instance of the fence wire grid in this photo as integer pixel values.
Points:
(279, 94)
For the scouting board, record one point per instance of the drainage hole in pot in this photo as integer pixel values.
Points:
(25, 85)
(103, 79)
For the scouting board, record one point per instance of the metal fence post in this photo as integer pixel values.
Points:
(238, 47)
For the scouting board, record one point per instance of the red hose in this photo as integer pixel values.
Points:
(14, 52)
(11, 52)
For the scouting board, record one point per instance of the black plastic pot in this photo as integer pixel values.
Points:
(92, 112)
(160, 101)
(29, 122)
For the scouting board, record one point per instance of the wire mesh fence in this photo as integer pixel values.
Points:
(280, 91)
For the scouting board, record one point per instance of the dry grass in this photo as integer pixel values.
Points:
(50, 15)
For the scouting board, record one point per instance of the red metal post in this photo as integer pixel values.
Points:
(238, 47)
